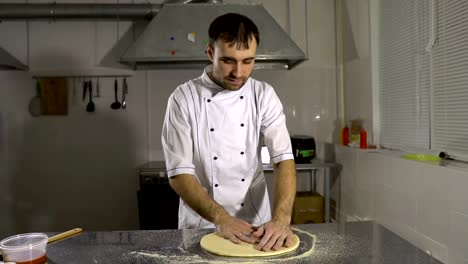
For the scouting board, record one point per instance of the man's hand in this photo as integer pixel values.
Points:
(273, 235)
(277, 232)
(235, 229)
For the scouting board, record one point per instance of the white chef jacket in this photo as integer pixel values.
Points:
(216, 135)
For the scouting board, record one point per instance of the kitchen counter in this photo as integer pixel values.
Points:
(356, 242)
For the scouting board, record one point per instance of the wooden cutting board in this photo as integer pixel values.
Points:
(54, 96)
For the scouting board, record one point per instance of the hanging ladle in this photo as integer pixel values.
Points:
(35, 104)
(124, 92)
(116, 104)
(98, 90)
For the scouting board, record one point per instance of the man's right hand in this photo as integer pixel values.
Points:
(190, 190)
(235, 229)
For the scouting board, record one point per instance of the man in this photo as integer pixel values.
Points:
(212, 136)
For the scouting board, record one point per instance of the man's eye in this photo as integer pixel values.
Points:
(227, 61)
(248, 61)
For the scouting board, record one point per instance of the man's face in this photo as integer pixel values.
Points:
(232, 66)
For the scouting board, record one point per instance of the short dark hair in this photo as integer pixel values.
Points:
(233, 28)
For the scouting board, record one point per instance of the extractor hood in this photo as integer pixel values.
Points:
(8, 62)
(176, 38)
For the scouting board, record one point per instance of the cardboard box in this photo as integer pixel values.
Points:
(308, 208)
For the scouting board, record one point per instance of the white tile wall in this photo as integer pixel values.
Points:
(54, 45)
(425, 243)
(458, 187)
(458, 238)
(376, 174)
(433, 207)
(423, 203)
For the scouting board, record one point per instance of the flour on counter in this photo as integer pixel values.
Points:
(179, 255)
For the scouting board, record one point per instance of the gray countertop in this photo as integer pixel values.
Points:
(157, 166)
(314, 164)
(357, 242)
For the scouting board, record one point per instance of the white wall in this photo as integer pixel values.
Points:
(80, 170)
(356, 62)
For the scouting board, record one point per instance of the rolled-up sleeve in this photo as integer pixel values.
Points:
(176, 137)
(273, 128)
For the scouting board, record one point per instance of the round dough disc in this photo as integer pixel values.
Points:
(224, 247)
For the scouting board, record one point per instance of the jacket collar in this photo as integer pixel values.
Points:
(213, 87)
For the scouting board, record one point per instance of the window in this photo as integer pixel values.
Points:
(423, 74)
(450, 78)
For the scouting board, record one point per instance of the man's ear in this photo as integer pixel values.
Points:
(210, 52)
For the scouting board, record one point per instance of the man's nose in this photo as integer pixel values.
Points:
(238, 70)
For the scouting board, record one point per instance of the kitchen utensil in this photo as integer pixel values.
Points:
(422, 157)
(54, 96)
(116, 104)
(98, 92)
(90, 106)
(85, 87)
(35, 103)
(124, 92)
(65, 234)
(74, 88)
(445, 156)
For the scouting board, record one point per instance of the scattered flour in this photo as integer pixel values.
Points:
(187, 257)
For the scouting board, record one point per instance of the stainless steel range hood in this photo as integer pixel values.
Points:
(8, 62)
(177, 36)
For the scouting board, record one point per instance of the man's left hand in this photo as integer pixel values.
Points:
(274, 235)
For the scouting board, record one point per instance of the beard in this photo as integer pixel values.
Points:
(233, 83)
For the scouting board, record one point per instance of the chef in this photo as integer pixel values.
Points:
(214, 128)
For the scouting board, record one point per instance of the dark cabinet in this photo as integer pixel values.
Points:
(158, 207)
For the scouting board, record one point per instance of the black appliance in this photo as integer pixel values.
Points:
(303, 148)
(158, 204)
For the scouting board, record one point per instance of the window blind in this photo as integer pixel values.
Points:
(450, 78)
(404, 74)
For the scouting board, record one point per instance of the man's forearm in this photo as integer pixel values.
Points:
(285, 190)
(188, 188)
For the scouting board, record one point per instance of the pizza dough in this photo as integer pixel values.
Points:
(224, 247)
